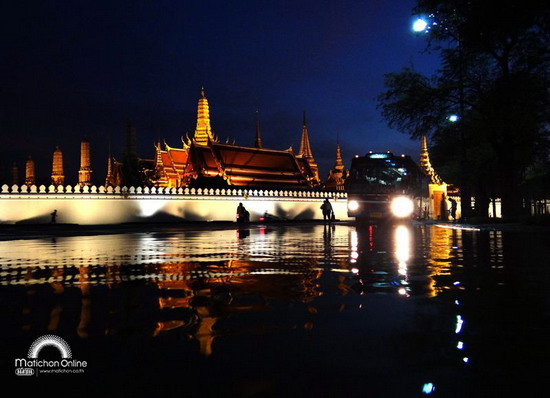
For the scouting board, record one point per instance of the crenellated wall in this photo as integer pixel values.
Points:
(100, 205)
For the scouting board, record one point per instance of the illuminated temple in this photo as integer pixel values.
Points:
(204, 160)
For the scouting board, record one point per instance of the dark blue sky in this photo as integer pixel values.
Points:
(74, 69)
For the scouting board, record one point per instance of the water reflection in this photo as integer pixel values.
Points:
(197, 278)
(403, 296)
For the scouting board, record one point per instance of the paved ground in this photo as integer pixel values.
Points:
(35, 231)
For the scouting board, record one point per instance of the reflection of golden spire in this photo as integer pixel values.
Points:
(439, 254)
(426, 166)
(203, 132)
(205, 333)
(85, 310)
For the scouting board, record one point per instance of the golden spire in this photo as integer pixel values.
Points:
(426, 165)
(85, 173)
(258, 143)
(337, 175)
(203, 132)
(30, 175)
(305, 150)
(338, 162)
(110, 179)
(58, 178)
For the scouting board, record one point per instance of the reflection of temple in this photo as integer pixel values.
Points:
(205, 159)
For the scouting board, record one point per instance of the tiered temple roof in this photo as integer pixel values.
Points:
(205, 157)
(426, 165)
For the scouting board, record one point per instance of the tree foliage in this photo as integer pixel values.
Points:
(494, 73)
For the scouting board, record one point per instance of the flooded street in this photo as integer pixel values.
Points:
(283, 311)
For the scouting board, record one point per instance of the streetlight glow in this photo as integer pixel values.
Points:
(419, 25)
(453, 118)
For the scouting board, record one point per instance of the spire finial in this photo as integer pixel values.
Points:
(202, 92)
(258, 143)
(305, 117)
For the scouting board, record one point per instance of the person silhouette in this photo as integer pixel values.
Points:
(243, 216)
(444, 215)
(54, 216)
(328, 213)
(452, 210)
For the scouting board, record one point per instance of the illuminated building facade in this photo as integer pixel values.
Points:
(438, 190)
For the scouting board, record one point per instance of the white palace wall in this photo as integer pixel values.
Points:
(97, 205)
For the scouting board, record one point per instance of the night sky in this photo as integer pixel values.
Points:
(74, 69)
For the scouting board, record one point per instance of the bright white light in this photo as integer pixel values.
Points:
(453, 118)
(459, 323)
(355, 270)
(428, 388)
(460, 345)
(353, 205)
(378, 156)
(402, 247)
(466, 359)
(402, 206)
(402, 291)
(149, 208)
(419, 25)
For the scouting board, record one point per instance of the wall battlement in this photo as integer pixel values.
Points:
(99, 205)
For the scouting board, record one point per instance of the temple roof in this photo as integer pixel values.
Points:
(238, 165)
(426, 165)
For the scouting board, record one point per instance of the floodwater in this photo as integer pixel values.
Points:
(283, 311)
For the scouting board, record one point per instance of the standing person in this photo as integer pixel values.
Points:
(326, 207)
(453, 208)
(443, 208)
(54, 216)
(242, 214)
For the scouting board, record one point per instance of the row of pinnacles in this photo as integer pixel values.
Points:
(127, 191)
(136, 171)
(58, 175)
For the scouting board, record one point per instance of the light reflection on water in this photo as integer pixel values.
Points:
(213, 288)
